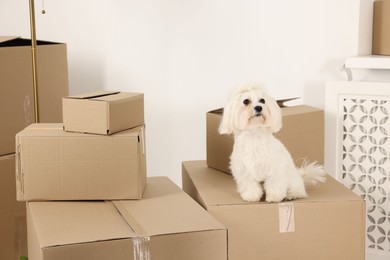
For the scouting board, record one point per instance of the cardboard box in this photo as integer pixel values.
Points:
(103, 112)
(56, 165)
(166, 224)
(329, 224)
(16, 81)
(302, 134)
(381, 28)
(13, 231)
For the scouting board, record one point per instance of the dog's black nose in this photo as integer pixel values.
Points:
(258, 109)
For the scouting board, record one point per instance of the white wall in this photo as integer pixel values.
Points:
(187, 55)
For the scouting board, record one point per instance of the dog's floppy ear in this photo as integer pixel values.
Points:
(227, 122)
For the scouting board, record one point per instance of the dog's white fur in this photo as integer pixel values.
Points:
(259, 161)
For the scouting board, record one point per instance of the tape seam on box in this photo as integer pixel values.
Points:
(19, 173)
(142, 134)
(141, 243)
(141, 248)
(27, 111)
(286, 218)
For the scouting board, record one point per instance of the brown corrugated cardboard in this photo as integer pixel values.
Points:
(329, 224)
(77, 230)
(164, 211)
(103, 112)
(16, 91)
(56, 165)
(302, 134)
(381, 28)
(13, 231)
(166, 224)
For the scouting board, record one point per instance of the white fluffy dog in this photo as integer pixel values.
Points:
(259, 160)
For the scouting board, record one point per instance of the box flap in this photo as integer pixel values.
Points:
(281, 102)
(56, 129)
(217, 111)
(120, 96)
(300, 110)
(209, 183)
(8, 38)
(35, 130)
(64, 223)
(107, 95)
(96, 94)
(165, 209)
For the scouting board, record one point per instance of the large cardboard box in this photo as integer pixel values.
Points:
(381, 28)
(16, 86)
(103, 112)
(329, 224)
(166, 225)
(302, 134)
(56, 165)
(13, 231)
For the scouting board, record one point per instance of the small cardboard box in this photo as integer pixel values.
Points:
(302, 134)
(381, 28)
(56, 165)
(13, 231)
(16, 81)
(166, 224)
(329, 224)
(103, 112)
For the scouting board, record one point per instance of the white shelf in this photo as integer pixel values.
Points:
(368, 62)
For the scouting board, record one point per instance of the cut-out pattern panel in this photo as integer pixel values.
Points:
(365, 164)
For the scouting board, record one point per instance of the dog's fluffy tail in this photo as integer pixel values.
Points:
(312, 173)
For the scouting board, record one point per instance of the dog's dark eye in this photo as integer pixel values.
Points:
(246, 102)
(262, 101)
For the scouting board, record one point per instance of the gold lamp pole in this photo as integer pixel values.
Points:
(34, 59)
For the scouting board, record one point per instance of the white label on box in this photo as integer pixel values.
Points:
(286, 218)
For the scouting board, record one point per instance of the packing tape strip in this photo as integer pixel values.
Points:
(286, 218)
(141, 248)
(143, 140)
(19, 172)
(28, 117)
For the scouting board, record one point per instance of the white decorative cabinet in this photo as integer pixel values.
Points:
(357, 152)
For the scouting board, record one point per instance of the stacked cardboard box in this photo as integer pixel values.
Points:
(329, 224)
(104, 158)
(17, 112)
(98, 155)
(381, 28)
(16, 83)
(302, 133)
(166, 224)
(13, 238)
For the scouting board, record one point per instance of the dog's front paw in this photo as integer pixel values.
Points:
(252, 195)
(296, 195)
(274, 197)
